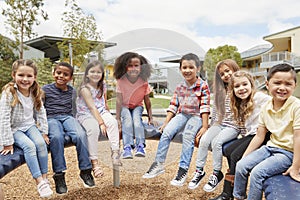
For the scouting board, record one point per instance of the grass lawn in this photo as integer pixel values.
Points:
(155, 103)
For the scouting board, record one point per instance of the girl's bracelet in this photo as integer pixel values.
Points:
(101, 124)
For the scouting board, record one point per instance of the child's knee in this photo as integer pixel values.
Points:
(240, 167)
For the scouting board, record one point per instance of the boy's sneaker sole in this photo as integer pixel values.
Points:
(139, 154)
(147, 176)
(194, 187)
(174, 183)
(85, 185)
(127, 157)
(207, 190)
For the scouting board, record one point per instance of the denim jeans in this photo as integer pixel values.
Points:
(191, 125)
(35, 150)
(132, 126)
(62, 125)
(262, 163)
(214, 137)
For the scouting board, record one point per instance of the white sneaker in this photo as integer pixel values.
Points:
(180, 177)
(213, 182)
(194, 183)
(44, 189)
(155, 170)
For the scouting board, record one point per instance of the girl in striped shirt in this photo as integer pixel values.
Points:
(222, 127)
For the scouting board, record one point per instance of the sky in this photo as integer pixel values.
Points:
(210, 23)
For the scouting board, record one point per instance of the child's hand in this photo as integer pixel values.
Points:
(201, 132)
(161, 129)
(103, 129)
(46, 138)
(7, 149)
(119, 125)
(293, 172)
(153, 122)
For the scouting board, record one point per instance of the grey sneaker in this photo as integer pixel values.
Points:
(180, 177)
(198, 175)
(155, 170)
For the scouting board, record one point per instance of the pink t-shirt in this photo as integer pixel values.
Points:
(133, 93)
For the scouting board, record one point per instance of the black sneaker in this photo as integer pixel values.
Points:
(87, 178)
(198, 175)
(60, 183)
(223, 196)
(180, 177)
(213, 182)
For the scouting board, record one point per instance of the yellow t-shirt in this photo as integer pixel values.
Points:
(281, 123)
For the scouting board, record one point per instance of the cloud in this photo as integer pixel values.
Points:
(246, 22)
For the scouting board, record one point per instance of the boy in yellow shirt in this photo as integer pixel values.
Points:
(280, 116)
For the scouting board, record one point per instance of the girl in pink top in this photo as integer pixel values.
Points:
(132, 72)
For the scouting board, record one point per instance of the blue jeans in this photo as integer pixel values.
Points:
(191, 125)
(262, 163)
(62, 125)
(35, 150)
(132, 126)
(214, 137)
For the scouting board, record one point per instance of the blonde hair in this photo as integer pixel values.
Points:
(220, 88)
(35, 89)
(241, 109)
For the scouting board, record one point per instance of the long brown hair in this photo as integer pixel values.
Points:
(100, 84)
(241, 109)
(35, 89)
(220, 88)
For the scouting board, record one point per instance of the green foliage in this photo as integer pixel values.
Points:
(156, 103)
(21, 16)
(213, 56)
(44, 71)
(7, 57)
(82, 35)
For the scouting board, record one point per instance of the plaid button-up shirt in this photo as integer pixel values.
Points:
(193, 100)
(12, 117)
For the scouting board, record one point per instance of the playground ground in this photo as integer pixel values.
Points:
(19, 184)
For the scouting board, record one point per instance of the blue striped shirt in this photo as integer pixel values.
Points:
(58, 102)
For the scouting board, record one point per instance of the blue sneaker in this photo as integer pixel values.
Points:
(127, 154)
(140, 151)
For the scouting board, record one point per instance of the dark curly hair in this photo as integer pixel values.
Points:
(123, 60)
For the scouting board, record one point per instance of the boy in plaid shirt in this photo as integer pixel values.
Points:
(189, 109)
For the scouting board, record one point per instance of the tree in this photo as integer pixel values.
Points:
(45, 67)
(22, 15)
(81, 35)
(213, 56)
(7, 57)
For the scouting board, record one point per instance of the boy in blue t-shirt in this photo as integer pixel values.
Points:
(59, 103)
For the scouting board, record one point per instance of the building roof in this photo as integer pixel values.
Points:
(160, 43)
(48, 44)
(256, 51)
(278, 33)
